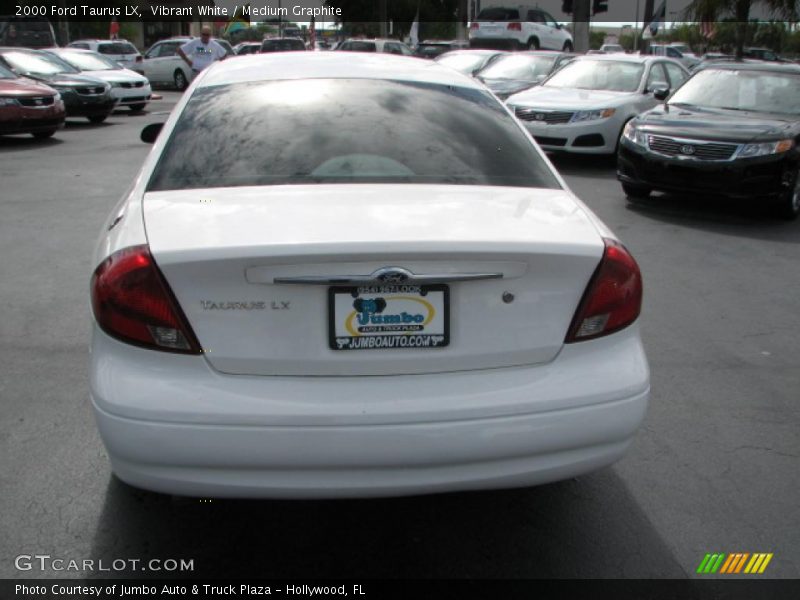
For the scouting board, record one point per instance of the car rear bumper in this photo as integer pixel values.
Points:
(769, 176)
(188, 430)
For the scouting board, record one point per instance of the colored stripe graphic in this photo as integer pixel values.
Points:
(754, 563)
(741, 562)
(727, 564)
(765, 563)
(703, 563)
(717, 563)
(734, 563)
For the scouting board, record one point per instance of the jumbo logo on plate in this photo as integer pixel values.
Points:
(391, 316)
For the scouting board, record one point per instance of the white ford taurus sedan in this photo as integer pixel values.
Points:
(343, 275)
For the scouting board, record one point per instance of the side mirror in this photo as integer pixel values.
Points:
(150, 132)
(661, 93)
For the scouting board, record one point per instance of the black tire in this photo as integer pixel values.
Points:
(533, 44)
(137, 107)
(568, 46)
(181, 83)
(43, 135)
(97, 118)
(788, 207)
(636, 192)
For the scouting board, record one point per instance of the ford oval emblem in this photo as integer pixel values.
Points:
(393, 275)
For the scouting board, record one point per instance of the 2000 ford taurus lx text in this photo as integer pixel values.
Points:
(356, 275)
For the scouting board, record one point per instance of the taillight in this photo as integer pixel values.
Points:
(474, 25)
(132, 302)
(515, 26)
(139, 58)
(612, 299)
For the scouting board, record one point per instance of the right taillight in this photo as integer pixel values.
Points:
(613, 298)
(514, 27)
(132, 302)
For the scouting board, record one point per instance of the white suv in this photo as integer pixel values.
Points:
(121, 51)
(520, 27)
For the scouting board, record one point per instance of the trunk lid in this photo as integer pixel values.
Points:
(221, 250)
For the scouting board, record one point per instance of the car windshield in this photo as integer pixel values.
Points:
(37, 64)
(606, 75)
(464, 63)
(529, 67)
(758, 91)
(347, 131)
(89, 62)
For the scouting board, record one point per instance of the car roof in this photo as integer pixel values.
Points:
(475, 51)
(632, 58)
(755, 66)
(373, 40)
(333, 65)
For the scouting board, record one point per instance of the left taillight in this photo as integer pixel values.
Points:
(613, 298)
(132, 302)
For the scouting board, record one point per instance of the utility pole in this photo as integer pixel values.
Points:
(383, 17)
(581, 17)
(461, 19)
(648, 11)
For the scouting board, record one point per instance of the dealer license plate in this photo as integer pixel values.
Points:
(389, 317)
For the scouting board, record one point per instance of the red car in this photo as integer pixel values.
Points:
(29, 107)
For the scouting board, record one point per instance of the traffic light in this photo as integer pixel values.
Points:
(566, 7)
(599, 6)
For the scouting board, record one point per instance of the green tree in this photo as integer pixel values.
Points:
(739, 10)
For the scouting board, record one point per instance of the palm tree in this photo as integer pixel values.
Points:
(715, 10)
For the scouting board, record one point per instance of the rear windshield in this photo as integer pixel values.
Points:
(346, 131)
(498, 14)
(282, 45)
(116, 48)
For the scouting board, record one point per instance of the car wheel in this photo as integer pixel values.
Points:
(636, 192)
(180, 80)
(137, 107)
(568, 46)
(41, 135)
(97, 118)
(789, 204)
(533, 44)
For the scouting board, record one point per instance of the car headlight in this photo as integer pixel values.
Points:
(765, 149)
(592, 115)
(8, 102)
(632, 134)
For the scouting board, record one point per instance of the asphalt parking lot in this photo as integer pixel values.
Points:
(714, 468)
